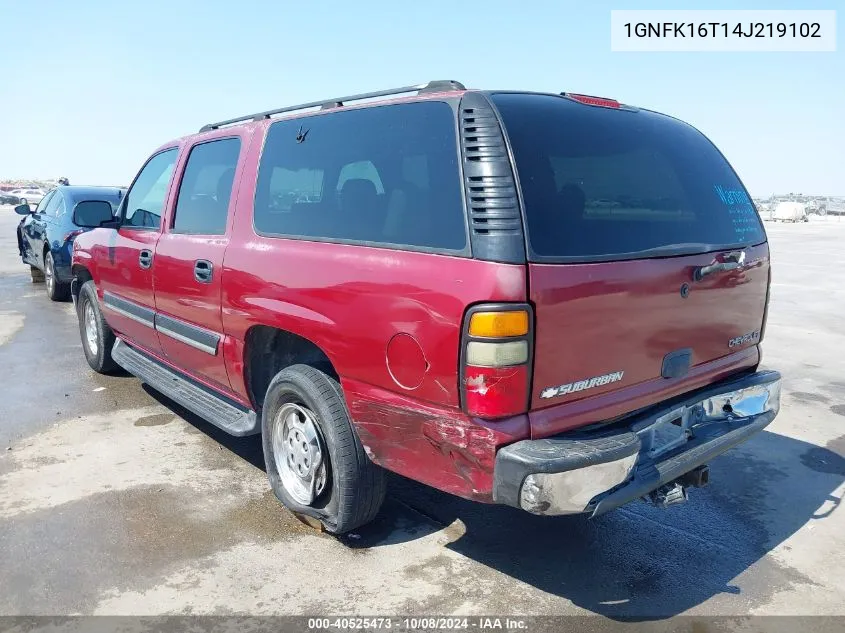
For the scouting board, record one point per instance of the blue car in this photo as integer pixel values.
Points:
(45, 235)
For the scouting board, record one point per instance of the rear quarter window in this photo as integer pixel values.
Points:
(384, 175)
(604, 184)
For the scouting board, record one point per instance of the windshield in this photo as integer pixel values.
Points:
(603, 184)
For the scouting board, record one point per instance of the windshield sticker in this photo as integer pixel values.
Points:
(741, 210)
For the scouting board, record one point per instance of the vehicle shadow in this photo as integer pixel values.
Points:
(247, 448)
(639, 562)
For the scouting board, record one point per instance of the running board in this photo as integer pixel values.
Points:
(220, 411)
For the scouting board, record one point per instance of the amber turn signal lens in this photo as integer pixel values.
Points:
(499, 324)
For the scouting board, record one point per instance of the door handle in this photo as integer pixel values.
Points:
(203, 271)
(729, 261)
(145, 258)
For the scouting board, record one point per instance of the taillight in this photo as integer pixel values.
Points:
(72, 234)
(497, 349)
(593, 101)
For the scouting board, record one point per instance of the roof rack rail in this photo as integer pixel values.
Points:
(439, 85)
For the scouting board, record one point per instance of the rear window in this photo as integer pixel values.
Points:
(604, 184)
(384, 175)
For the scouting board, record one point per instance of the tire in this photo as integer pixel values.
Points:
(353, 487)
(23, 201)
(56, 290)
(91, 320)
(36, 275)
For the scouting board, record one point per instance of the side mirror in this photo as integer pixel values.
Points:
(92, 214)
(23, 209)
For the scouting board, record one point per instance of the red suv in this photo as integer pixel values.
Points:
(550, 301)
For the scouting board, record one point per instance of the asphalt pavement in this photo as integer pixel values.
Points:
(113, 500)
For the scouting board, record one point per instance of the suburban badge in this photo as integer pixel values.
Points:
(581, 385)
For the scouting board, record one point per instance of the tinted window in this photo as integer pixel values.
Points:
(89, 213)
(604, 184)
(61, 208)
(55, 201)
(288, 186)
(362, 170)
(203, 203)
(44, 202)
(386, 174)
(145, 200)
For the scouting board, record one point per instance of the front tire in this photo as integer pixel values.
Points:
(56, 290)
(97, 336)
(315, 461)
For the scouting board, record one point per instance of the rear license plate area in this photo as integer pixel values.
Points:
(666, 433)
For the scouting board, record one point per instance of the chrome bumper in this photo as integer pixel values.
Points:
(598, 472)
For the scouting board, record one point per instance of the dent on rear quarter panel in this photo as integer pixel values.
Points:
(438, 446)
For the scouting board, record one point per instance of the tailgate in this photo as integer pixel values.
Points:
(609, 326)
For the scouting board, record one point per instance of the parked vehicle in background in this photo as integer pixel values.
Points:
(28, 196)
(46, 233)
(816, 207)
(790, 212)
(549, 301)
(836, 206)
(6, 197)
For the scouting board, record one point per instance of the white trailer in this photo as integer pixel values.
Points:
(790, 212)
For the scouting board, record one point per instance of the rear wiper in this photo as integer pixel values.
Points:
(684, 248)
(729, 261)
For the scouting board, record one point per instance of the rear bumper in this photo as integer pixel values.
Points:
(597, 472)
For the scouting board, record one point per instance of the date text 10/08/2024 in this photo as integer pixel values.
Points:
(723, 29)
(419, 623)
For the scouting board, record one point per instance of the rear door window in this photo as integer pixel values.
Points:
(61, 208)
(45, 201)
(383, 175)
(51, 210)
(203, 203)
(607, 184)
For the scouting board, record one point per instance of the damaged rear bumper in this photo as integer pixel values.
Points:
(599, 471)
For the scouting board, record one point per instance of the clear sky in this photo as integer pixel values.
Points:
(89, 88)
